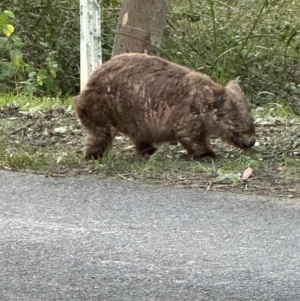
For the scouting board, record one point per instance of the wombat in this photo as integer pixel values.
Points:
(152, 100)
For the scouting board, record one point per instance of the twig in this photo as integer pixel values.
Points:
(43, 143)
(208, 186)
(21, 129)
(123, 176)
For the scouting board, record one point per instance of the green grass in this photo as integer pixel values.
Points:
(28, 102)
(44, 136)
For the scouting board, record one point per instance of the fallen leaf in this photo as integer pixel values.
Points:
(247, 173)
(129, 147)
(282, 168)
(61, 130)
(59, 159)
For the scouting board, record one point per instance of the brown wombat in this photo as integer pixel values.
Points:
(153, 100)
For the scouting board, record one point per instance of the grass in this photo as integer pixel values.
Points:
(43, 136)
(28, 102)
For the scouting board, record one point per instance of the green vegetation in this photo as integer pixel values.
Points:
(257, 41)
(19, 68)
(42, 55)
(24, 102)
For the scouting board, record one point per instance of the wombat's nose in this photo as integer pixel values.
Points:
(251, 142)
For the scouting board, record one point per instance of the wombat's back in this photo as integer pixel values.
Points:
(136, 91)
(150, 78)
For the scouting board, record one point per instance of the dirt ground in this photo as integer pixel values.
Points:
(56, 136)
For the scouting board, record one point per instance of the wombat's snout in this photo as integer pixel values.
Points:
(250, 143)
(243, 142)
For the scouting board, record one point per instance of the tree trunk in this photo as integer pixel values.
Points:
(140, 27)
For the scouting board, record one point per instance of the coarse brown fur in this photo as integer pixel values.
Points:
(153, 100)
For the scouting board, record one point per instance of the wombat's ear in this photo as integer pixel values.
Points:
(234, 87)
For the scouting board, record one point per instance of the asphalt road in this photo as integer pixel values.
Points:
(93, 239)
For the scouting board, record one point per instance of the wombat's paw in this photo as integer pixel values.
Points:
(91, 153)
(209, 153)
(199, 156)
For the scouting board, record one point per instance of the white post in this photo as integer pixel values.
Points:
(90, 39)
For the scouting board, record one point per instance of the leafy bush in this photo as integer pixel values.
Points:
(258, 41)
(50, 44)
(50, 36)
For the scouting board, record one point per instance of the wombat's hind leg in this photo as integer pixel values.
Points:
(146, 149)
(97, 142)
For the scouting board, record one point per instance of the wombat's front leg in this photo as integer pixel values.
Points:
(97, 141)
(197, 147)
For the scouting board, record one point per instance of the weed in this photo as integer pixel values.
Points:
(20, 161)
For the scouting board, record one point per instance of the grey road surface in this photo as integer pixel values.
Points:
(93, 239)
